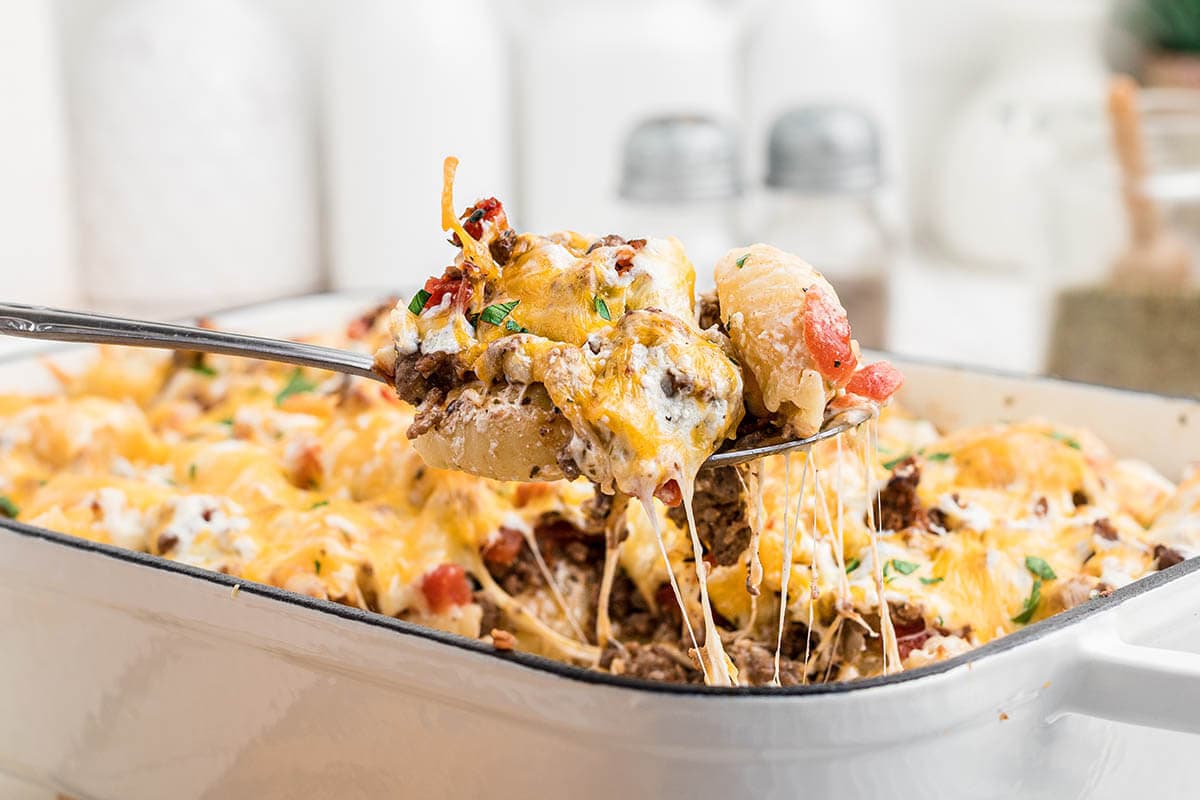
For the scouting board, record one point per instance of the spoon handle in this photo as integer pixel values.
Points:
(39, 322)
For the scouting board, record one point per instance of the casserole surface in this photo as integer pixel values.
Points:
(304, 481)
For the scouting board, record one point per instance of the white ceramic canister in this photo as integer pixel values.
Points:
(588, 73)
(195, 159)
(990, 206)
(407, 84)
(36, 228)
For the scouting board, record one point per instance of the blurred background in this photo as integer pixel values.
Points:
(962, 170)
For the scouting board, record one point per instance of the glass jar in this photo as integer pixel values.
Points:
(680, 178)
(823, 203)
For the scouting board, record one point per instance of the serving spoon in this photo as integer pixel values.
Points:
(54, 324)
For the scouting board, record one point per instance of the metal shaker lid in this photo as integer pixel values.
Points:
(824, 149)
(680, 158)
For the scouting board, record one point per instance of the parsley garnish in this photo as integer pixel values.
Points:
(202, 368)
(601, 307)
(297, 384)
(510, 325)
(893, 462)
(852, 565)
(418, 302)
(8, 508)
(317, 565)
(495, 313)
(937, 457)
(318, 504)
(225, 421)
(191, 472)
(741, 262)
(1031, 603)
(1040, 568)
(904, 567)
(931, 581)
(1067, 440)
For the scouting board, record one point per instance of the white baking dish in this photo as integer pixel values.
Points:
(123, 675)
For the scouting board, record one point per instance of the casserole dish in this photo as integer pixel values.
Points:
(124, 675)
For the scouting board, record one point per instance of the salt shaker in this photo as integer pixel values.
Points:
(615, 62)
(679, 177)
(194, 159)
(824, 181)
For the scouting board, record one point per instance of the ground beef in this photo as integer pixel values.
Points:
(899, 506)
(652, 662)
(1165, 557)
(722, 516)
(573, 556)
(492, 617)
(1104, 529)
(612, 240)
(566, 462)
(710, 312)
(631, 616)
(756, 664)
(429, 414)
(502, 246)
(674, 382)
(417, 374)
(596, 511)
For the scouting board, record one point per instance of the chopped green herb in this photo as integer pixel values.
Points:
(318, 504)
(495, 313)
(317, 565)
(1040, 568)
(852, 565)
(297, 384)
(418, 302)
(1067, 440)
(8, 508)
(887, 565)
(1031, 603)
(510, 325)
(937, 457)
(226, 421)
(601, 307)
(931, 581)
(191, 472)
(904, 567)
(741, 262)
(892, 463)
(202, 368)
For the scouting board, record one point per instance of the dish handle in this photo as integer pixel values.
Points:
(1117, 680)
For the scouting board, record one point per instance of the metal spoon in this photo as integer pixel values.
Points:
(40, 322)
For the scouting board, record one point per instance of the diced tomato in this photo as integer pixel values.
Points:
(664, 596)
(446, 586)
(827, 336)
(503, 547)
(877, 382)
(485, 210)
(669, 493)
(438, 288)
